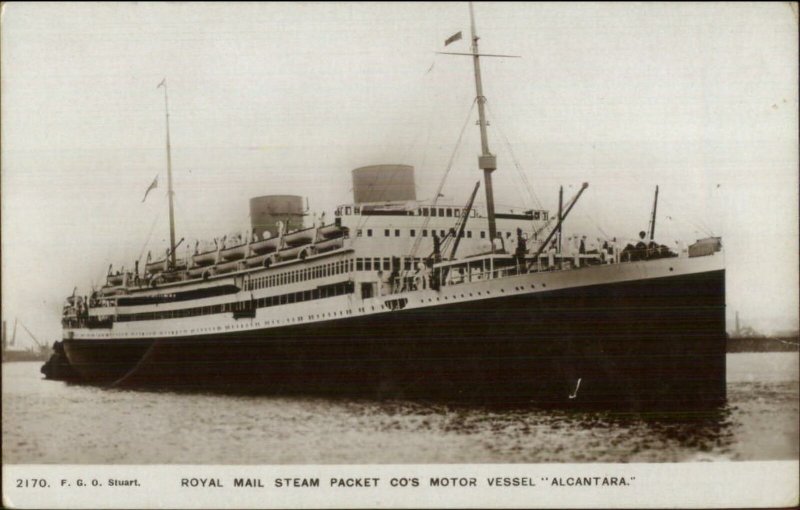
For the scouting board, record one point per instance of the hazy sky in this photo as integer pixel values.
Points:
(701, 99)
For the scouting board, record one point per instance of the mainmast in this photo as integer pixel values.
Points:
(486, 161)
(170, 193)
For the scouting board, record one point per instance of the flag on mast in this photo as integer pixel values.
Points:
(153, 185)
(163, 83)
(453, 38)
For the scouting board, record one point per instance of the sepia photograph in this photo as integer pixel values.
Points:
(400, 254)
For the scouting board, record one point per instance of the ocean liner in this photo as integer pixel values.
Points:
(400, 297)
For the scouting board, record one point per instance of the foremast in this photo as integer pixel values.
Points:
(170, 192)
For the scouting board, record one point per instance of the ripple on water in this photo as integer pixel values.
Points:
(51, 422)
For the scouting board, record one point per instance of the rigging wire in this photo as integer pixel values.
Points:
(528, 187)
(418, 239)
(701, 226)
(149, 234)
(190, 235)
(591, 216)
(705, 228)
(593, 222)
(426, 76)
(428, 121)
(186, 223)
(453, 154)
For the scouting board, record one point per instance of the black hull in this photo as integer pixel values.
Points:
(657, 342)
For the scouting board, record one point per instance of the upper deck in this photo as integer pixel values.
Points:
(408, 228)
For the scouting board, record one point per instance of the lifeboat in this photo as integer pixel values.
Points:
(265, 246)
(204, 259)
(289, 253)
(170, 276)
(299, 237)
(197, 271)
(256, 261)
(331, 231)
(115, 279)
(156, 267)
(227, 267)
(108, 290)
(329, 245)
(234, 252)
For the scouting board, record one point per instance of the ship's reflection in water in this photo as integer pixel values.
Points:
(51, 422)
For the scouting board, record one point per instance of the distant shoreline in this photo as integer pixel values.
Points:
(763, 344)
(734, 344)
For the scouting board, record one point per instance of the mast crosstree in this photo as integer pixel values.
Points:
(486, 161)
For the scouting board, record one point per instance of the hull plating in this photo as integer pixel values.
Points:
(634, 344)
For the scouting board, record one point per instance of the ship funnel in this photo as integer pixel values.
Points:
(383, 183)
(267, 211)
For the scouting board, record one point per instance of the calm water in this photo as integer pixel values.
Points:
(51, 422)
